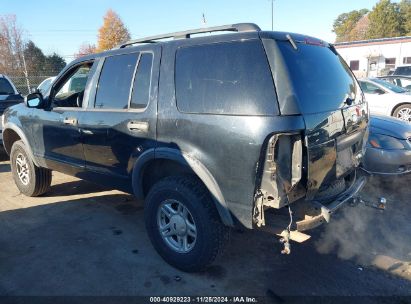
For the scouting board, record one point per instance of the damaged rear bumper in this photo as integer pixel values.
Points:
(305, 215)
(325, 211)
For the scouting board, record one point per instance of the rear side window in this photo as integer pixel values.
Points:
(115, 82)
(142, 82)
(225, 78)
(5, 87)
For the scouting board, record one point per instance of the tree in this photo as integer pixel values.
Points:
(112, 33)
(53, 64)
(345, 24)
(86, 49)
(360, 30)
(405, 11)
(385, 20)
(11, 46)
(34, 58)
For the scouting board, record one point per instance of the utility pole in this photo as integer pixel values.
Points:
(203, 21)
(26, 74)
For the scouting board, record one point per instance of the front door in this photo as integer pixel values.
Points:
(120, 122)
(375, 96)
(57, 135)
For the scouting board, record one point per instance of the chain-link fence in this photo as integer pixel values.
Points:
(26, 85)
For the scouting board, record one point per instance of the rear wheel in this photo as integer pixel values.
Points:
(183, 223)
(30, 179)
(403, 112)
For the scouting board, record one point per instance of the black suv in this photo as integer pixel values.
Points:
(8, 97)
(249, 128)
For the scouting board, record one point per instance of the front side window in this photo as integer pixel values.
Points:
(369, 88)
(114, 85)
(70, 91)
(231, 78)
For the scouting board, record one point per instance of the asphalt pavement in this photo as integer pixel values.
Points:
(83, 239)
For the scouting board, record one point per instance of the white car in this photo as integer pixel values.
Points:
(387, 99)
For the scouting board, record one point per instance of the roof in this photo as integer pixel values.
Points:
(340, 45)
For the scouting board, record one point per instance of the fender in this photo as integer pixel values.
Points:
(186, 160)
(12, 126)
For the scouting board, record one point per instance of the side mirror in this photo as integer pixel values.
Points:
(34, 100)
(379, 92)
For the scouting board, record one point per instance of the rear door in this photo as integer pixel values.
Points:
(120, 122)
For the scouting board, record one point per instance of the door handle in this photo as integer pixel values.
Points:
(87, 132)
(70, 121)
(138, 126)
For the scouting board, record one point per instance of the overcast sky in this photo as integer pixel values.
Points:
(61, 26)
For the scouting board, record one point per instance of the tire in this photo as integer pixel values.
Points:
(210, 234)
(403, 112)
(32, 181)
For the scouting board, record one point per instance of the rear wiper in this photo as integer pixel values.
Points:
(291, 40)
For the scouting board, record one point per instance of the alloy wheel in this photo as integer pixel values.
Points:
(404, 114)
(176, 226)
(23, 170)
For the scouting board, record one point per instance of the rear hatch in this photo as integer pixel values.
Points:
(312, 80)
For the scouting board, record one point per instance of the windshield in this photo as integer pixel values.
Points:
(321, 79)
(5, 87)
(389, 86)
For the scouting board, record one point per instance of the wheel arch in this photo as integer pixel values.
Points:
(11, 134)
(174, 162)
(399, 105)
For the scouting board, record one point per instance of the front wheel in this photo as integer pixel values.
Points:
(403, 112)
(183, 224)
(30, 179)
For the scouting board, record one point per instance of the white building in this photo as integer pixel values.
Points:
(375, 57)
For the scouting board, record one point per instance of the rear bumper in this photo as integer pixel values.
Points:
(325, 212)
(309, 214)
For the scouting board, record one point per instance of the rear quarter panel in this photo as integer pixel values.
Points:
(228, 146)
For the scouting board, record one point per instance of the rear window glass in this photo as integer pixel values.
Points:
(5, 87)
(321, 79)
(115, 82)
(225, 78)
(403, 71)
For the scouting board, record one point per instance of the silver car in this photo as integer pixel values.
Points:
(389, 146)
(385, 98)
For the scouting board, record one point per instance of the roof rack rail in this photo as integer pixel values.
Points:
(238, 27)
